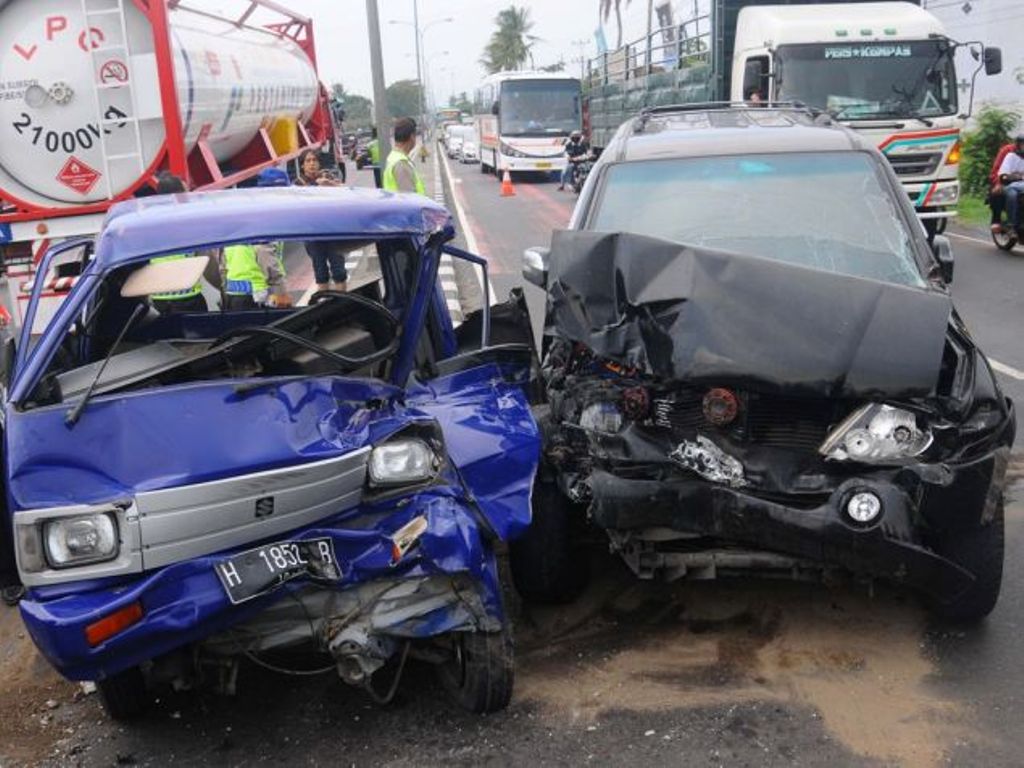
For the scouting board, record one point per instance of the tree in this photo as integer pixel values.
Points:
(461, 102)
(358, 109)
(403, 98)
(981, 145)
(511, 43)
(606, 7)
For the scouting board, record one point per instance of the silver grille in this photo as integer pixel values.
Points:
(915, 164)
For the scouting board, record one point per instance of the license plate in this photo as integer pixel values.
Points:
(260, 570)
(543, 166)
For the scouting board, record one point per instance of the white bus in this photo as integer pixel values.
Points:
(523, 119)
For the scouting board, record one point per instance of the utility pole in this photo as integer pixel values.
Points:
(419, 68)
(380, 102)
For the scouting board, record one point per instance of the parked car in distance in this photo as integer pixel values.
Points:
(771, 378)
(469, 152)
(188, 489)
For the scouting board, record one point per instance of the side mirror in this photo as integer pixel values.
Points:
(993, 58)
(535, 266)
(754, 73)
(495, 108)
(944, 255)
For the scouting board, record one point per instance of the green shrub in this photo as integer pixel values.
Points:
(981, 145)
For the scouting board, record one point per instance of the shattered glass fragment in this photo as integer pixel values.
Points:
(709, 461)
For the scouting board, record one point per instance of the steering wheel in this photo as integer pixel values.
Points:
(344, 362)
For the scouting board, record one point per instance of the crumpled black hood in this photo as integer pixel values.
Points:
(697, 315)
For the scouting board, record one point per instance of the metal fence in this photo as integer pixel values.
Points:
(663, 50)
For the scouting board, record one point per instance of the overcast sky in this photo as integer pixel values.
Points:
(344, 53)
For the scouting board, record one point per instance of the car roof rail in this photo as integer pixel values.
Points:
(717, 106)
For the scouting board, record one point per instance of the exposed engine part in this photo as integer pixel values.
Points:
(651, 558)
(709, 461)
(359, 653)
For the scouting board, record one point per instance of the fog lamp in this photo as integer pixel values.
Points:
(864, 507)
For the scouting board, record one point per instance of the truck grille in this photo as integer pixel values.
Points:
(916, 164)
(799, 424)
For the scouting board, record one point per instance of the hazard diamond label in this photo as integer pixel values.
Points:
(79, 176)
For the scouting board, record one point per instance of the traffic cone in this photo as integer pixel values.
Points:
(507, 190)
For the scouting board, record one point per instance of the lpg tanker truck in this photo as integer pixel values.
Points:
(98, 96)
(884, 69)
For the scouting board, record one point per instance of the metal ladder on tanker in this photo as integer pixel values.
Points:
(109, 125)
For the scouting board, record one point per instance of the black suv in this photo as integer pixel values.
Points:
(752, 362)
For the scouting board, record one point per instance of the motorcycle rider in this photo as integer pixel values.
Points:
(576, 150)
(1011, 177)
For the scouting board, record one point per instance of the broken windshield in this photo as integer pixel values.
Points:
(824, 210)
(864, 81)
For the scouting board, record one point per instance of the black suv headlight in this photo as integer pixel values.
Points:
(878, 434)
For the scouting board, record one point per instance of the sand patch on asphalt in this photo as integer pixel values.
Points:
(857, 661)
(28, 726)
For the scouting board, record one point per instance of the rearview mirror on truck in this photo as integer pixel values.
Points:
(993, 59)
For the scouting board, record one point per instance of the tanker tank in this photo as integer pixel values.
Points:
(81, 109)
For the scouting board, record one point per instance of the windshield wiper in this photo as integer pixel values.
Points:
(73, 414)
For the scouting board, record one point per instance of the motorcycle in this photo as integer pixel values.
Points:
(582, 170)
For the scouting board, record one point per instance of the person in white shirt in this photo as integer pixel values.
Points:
(1011, 176)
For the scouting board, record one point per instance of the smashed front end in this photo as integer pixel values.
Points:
(379, 538)
(719, 413)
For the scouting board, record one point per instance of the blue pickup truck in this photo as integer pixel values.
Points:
(188, 489)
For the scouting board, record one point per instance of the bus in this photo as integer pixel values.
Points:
(523, 119)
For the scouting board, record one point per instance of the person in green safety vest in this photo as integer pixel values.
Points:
(373, 148)
(400, 173)
(191, 299)
(253, 277)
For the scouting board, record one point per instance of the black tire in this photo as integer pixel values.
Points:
(1004, 241)
(124, 695)
(481, 673)
(980, 551)
(549, 562)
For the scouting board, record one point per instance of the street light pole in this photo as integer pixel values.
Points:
(419, 69)
(380, 104)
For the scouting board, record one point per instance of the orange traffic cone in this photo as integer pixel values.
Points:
(507, 190)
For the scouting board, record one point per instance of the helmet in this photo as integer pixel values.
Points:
(1019, 138)
(576, 135)
(272, 177)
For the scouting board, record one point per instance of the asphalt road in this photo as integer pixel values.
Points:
(738, 673)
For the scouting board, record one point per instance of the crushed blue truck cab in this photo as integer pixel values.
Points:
(188, 489)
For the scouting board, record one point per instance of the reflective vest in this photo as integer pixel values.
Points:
(373, 148)
(390, 183)
(188, 293)
(242, 271)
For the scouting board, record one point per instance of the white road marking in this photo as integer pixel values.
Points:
(460, 214)
(972, 239)
(446, 269)
(1006, 370)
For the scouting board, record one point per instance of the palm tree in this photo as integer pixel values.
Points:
(606, 7)
(511, 43)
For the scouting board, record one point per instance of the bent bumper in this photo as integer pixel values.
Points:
(916, 503)
(185, 603)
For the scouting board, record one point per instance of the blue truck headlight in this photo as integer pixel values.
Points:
(877, 434)
(402, 461)
(80, 540)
